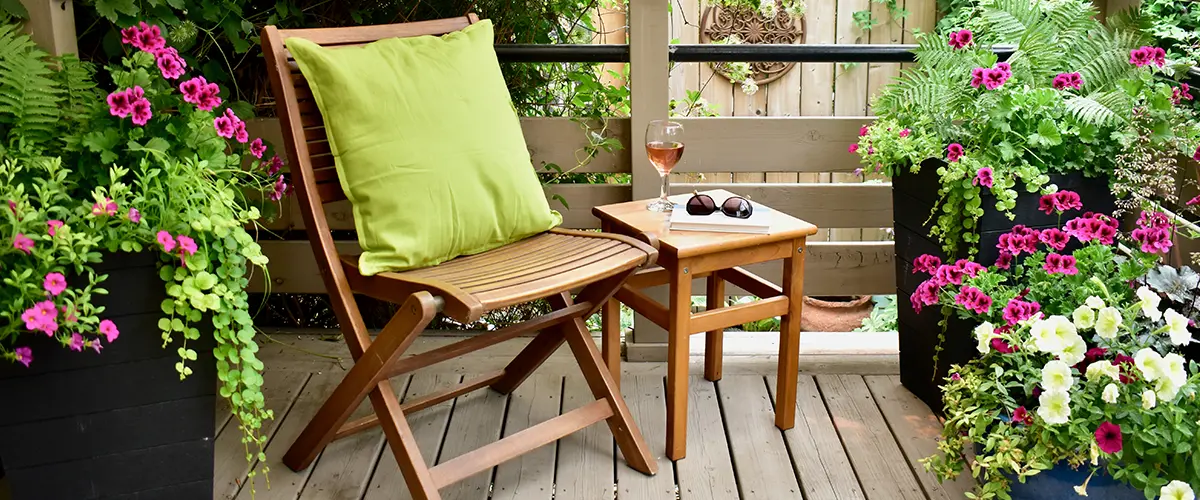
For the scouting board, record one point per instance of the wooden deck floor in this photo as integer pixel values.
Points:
(856, 436)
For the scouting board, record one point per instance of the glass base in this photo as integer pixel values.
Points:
(660, 205)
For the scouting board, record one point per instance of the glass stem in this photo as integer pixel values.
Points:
(662, 193)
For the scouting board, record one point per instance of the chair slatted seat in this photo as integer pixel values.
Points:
(550, 266)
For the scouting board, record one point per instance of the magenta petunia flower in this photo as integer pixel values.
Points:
(257, 148)
(23, 243)
(926, 264)
(141, 112)
(164, 238)
(134, 216)
(1193, 201)
(994, 78)
(1060, 264)
(54, 283)
(120, 104)
(955, 377)
(1054, 238)
(95, 345)
(1022, 416)
(104, 208)
(863, 130)
(1004, 260)
(1108, 437)
(983, 177)
(854, 149)
(954, 151)
(186, 245)
(54, 226)
(169, 63)
(973, 299)
(76, 342)
(905, 133)
(977, 75)
(109, 330)
(1018, 310)
(1002, 346)
(24, 355)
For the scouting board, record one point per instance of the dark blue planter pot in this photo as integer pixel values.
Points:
(1059, 483)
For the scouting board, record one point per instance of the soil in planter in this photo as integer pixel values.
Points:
(913, 198)
(82, 425)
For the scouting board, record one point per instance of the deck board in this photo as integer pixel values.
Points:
(856, 437)
(917, 430)
(428, 427)
(707, 471)
(646, 397)
(530, 476)
(820, 460)
(760, 457)
(585, 458)
(873, 451)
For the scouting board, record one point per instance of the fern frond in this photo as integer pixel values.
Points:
(1009, 19)
(1100, 109)
(29, 96)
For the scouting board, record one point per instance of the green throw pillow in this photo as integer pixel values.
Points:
(427, 145)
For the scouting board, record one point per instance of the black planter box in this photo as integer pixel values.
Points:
(913, 198)
(119, 424)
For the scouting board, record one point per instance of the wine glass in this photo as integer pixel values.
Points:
(664, 146)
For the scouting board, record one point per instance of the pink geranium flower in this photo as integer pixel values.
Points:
(281, 188)
(994, 78)
(24, 355)
(977, 75)
(926, 264)
(925, 295)
(141, 112)
(1018, 310)
(22, 243)
(1181, 93)
(1108, 437)
(54, 226)
(257, 148)
(954, 151)
(1006, 68)
(1060, 264)
(968, 268)
(1054, 238)
(961, 38)
(983, 177)
(186, 245)
(1004, 260)
(225, 127)
(164, 238)
(120, 104)
(192, 89)
(109, 330)
(145, 37)
(169, 63)
(240, 134)
(277, 164)
(54, 283)
(948, 275)
(973, 299)
(76, 342)
(1068, 81)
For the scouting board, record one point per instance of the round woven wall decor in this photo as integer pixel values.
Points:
(719, 23)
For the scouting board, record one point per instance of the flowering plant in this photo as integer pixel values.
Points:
(1076, 366)
(1074, 96)
(153, 166)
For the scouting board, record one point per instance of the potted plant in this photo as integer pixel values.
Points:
(125, 259)
(972, 141)
(1079, 384)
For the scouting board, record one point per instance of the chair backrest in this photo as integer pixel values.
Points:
(303, 128)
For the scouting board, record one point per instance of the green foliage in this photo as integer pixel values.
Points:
(1176, 26)
(1023, 129)
(884, 315)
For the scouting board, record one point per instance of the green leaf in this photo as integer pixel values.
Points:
(110, 8)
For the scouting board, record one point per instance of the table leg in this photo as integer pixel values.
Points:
(610, 327)
(789, 338)
(680, 310)
(715, 298)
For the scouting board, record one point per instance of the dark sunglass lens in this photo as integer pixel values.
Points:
(701, 204)
(737, 207)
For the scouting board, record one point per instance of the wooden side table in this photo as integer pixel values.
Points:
(687, 255)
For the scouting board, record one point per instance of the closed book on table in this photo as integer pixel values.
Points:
(759, 221)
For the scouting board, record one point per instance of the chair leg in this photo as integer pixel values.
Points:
(533, 355)
(624, 429)
(403, 444)
(364, 377)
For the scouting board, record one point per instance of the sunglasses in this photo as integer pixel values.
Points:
(734, 206)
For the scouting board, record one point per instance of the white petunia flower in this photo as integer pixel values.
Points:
(1174, 368)
(1108, 322)
(1176, 490)
(1111, 392)
(1149, 303)
(1074, 351)
(1053, 334)
(1150, 363)
(1094, 302)
(1177, 327)
(1056, 376)
(1054, 407)
(1149, 399)
(984, 333)
(1167, 389)
(1100, 369)
(1084, 317)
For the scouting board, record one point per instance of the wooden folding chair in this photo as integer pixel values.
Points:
(549, 265)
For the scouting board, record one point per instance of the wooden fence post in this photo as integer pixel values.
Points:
(649, 38)
(52, 25)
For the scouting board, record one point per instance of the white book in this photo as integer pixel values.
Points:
(758, 223)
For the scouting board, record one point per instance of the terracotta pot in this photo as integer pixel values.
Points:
(834, 315)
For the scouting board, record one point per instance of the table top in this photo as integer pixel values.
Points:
(632, 217)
